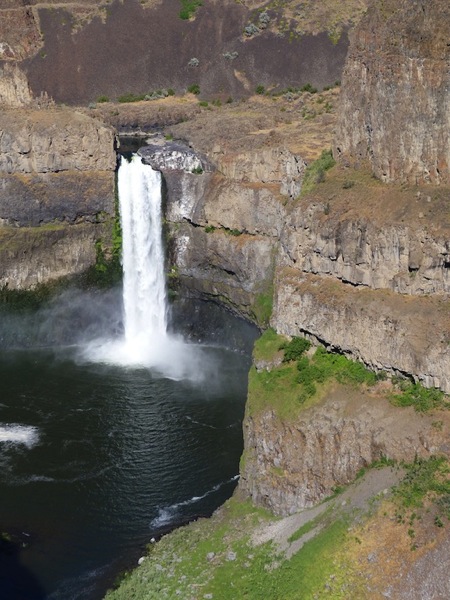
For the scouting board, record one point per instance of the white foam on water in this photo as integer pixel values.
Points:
(168, 514)
(19, 434)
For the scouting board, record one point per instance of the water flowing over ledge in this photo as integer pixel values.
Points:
(145, 342)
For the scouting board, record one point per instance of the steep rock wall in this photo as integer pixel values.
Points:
(395, 110)
(225, 232)
(292, 464)
(56, 194)
(405, 257)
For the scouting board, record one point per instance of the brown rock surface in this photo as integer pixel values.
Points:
(57, 194)
(395, 104)
(292, 464)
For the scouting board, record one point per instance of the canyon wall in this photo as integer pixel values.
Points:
(61, 47)
(57, 194)
(395, 110)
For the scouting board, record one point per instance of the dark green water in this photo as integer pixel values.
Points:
(108, 457)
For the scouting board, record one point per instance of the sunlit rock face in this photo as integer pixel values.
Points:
(57, 194)
(395, 105)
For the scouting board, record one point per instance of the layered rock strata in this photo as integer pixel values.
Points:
(224, 233)
(57, 194)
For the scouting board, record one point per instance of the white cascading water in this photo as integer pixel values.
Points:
(146, 342)
(144, 287)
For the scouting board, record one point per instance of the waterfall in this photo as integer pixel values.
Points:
(144, 288)
(146, 341)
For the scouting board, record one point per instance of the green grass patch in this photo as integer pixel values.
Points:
(300, 380)
(188, 8)
(421, 398)
(194, 89)
(217, 558)
(315, 172)
(267, 346)
(425, 477)
(278, 387)
(130, 97)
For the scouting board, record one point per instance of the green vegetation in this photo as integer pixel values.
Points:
(299, 380)
(421, 398)
(308, 88)
(262, 307)
(101, 99)
(194, 89)
(260, 89)
(203, 103)
(188, 8)
(315, 172)
(425, 477)
(216, 559)
(197, 170)
(210, 229)
(294, 349)
(425, 490)
(130, 97)
(267, 345)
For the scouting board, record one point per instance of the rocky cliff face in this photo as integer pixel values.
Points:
(293, 464)
(395, 104)
(57, 194)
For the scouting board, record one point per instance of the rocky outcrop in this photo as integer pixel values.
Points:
(291, 465)
(52, 141)
(14, 88)
(35, 255)
(403, 257)
(395, 105)
(223, 233)
(57, 194)
(384, 330)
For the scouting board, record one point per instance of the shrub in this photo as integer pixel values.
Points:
(203, 103)
(308, 88)
(101, 99)
(260, 89)
(294, 349)
(171, 92)
(194, 89)
(230, 55)
(423, 399)
(250, 30)
(130, 97)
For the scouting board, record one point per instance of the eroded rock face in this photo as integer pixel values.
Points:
(384, 330)
(224, 223)
(395, 110)
(291, 465)
(394, 256)
(49, 141)
(56, 194)
(14, 88)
